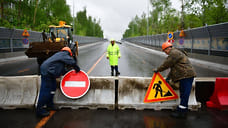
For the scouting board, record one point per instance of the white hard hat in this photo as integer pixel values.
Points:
(112, 39)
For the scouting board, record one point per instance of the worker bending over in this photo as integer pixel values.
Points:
(51, 69)
(182, 71)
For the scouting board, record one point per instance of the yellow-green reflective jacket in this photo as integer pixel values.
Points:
(113, 52)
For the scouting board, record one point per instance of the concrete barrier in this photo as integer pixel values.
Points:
(18, 92)
(204, 87)
(23, 91)
(192, 103)
(100, 95)
(132, 90)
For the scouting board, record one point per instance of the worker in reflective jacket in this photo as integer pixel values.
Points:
(113, 54)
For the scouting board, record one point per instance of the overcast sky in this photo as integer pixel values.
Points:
(114, 15)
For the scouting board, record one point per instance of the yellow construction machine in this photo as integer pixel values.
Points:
(58, 37)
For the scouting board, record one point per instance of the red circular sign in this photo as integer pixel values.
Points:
(25, 41)
(75, 85)
(171, 41)
(181, 41)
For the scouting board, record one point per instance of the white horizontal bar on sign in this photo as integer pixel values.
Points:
(75, 84)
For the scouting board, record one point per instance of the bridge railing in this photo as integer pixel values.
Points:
(12, 40)
(211, 40)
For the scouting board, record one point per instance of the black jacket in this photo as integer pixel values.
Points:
(55, 65)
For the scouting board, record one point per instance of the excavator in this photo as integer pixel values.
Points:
(58, 37)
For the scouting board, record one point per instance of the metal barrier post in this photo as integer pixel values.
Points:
(191, 39)
(210, 41)
(11, 41)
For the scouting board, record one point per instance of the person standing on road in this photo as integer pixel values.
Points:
(113, 54)
(51, 69)
(182, 71)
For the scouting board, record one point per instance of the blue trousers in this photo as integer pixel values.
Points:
(48, 86)
(185, 90)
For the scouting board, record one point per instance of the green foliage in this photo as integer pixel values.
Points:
(87, 26)
(163, 18)
(21, 14)
(7, 24)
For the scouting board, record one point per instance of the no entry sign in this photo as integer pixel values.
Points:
(75, 85)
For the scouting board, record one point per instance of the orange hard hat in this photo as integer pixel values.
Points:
(166, 45)
(67, 49)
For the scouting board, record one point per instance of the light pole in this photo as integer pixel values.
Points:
(147, 32)
(182, 15)
(73, 19)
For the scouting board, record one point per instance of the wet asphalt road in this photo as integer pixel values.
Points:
(20, 67)
(135, 119)
(134, 62)
(67, 118)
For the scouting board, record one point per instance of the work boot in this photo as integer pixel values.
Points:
(179, 115)
(112, 74)
(43, 114)
(118, 73)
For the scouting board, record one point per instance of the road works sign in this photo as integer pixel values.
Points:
(159, 90)
(75, 85)
(25, 33)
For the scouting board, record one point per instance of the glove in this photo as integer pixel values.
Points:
(155, 70)
(76, 68)
(167, 79)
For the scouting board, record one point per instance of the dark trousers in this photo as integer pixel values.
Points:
(47, 89)
(185, 90)
(114, 67)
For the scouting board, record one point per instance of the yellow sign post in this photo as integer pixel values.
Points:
(170, 35)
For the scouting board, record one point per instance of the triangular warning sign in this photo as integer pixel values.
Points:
(25, 33)
(159, 90)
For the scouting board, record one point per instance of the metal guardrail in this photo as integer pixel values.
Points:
(211, 40)
(86, 39)
(12, 40)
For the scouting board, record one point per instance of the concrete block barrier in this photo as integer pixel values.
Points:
(132, 90)
(104, 92)
(18, 92)
(192, 103)
(100, 95)
(204, 87)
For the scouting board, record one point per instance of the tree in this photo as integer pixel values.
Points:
(23, 15)
(87, 26)
(217, 13)
(209, 11)
(163, 18)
